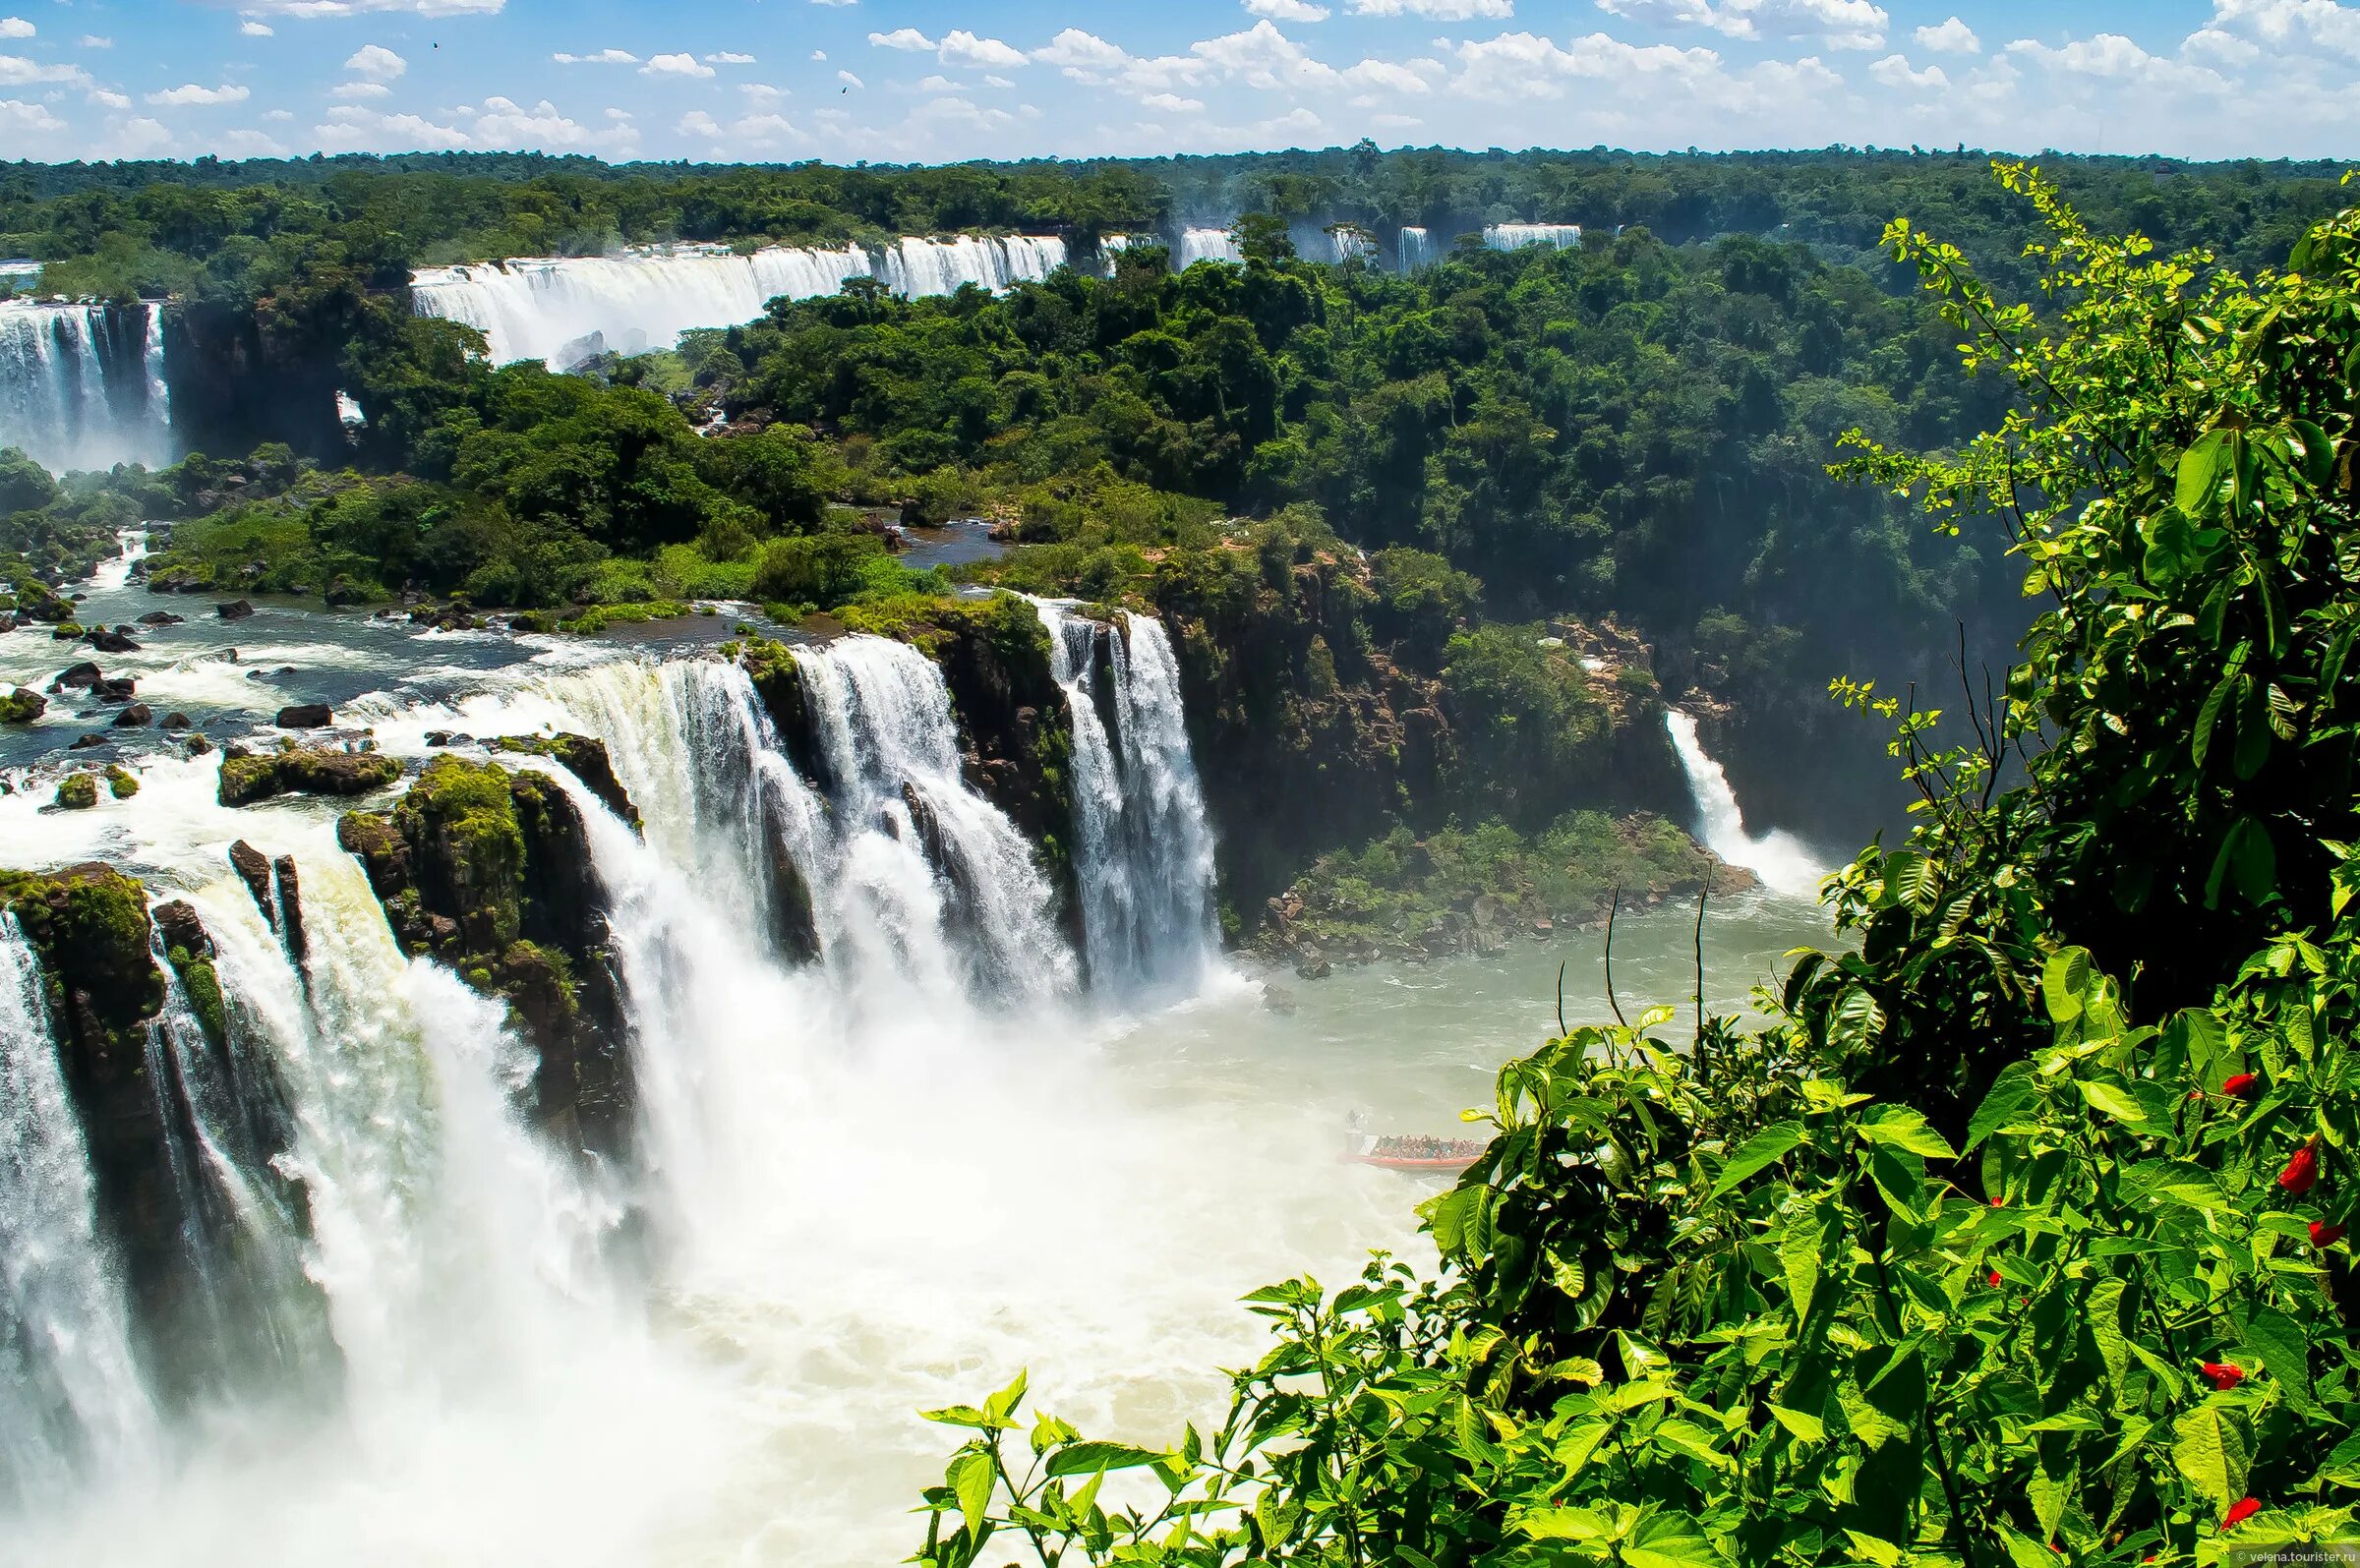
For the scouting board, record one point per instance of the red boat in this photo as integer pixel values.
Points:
(1417, 1153)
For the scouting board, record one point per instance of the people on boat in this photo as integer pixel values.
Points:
(1415, 1147)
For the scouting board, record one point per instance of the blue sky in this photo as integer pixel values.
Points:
(942, 80)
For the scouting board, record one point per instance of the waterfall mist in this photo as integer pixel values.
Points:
(81, 387)
(1783, 862)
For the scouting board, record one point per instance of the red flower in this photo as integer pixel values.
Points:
(2324, 1235)
(2241, 1086)
(1995, 1276)
(2225, 1375)
(2243, 1509)
(2302, 1171)
(1999, 1202)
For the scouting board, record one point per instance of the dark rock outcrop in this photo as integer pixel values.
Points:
(77, 677)
(254, 869)
(303, 769)
(304, 716)
(111, 642)
(137, 715)
(586, 759)
(490, 872)
(234, 609)
(22, 706)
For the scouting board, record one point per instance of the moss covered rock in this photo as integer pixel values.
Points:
(22, 706)
(121, 782)
(304, 770)
(78, 792)
(583, 757)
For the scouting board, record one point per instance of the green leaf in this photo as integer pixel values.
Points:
(1580, 1442)
(1857, 1021)
(2022, 1550)
(2048, 1494)
(1564, 1523)
(1810, 1429)
(2286, 1354)
(2063, 979)
(2014, 1093)
(2247, 860)
(2116, 1103)
(2210, 1449)
(2203, 468)
(1882, 1553)
(972, 1480)
(1082, 1459)
(1901, 1178)
(1900, 1127)
(1670, 1540)
(1799, 1256)
(2103, 1313)
(2209, 715)
(1771, 1143)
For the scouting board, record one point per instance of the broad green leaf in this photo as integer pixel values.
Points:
(1083, 1457)
(1900, 1127)
(1799, 1256)
(1580, 1442)
(2103, 1311)
(971, 1481)
(2049, 1495)
(1882, 1553)
(1670, 1540)
(2204, 467)
(2115, 1102)
(1810, 1429)
(1857, 1021)
(2022, 1550)
(1901, 1178)
(2286, 1354)
(1694, 1441)
(1564, 1523)
(2210, 1449)
(2063, 979)
(1769, 1145)
(2013, 1094)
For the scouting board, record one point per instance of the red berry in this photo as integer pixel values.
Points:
(1999, 1202)
(2225, 1375)
(2243, 1509)
(2324, 1235)
(1995, 1276)
(2302, 1171)
(2240, 1087)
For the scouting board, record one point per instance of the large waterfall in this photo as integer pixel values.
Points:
(563, 311)
(81, 387)
(1205, 245)
(1144, 856)
(1783, 862)
(1414, 248)
(1519, 236)
(870, 1074)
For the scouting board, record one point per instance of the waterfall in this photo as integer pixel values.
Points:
(1414, 249)
(1144, 860)
(563, 311)
(1783, 861)
(131, 548)
(1519, 236)
(81, 387)
(70, 1389)
(1205, 245)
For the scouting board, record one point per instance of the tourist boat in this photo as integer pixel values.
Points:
(1416, 1153)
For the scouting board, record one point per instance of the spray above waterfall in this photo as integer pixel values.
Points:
(1783, 861)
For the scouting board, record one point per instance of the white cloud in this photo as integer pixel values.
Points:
(940, 83)
(1294, 122)
(361, 90)
(819, 54)
(763, 91)
(349, 127)
(1287, 10)
(729, 57)
(278, 114)
(1842, 23)
(1264, 58)
(190, 93)
(675, 65)
(249, 144)
(136, 139)
(1388, 76)
(850, 80)
(965, 48)
(375, 60)
(92, 40)
(17, 115)
(602, 57)
(1436, 10)
(902, 39)
(506, 123)
(1171, 103)
(1894, 71)
(109, 99)
(997, 82)
(2112, 57)
(1951, 37)
(15, 28)
(257, 29)
(1523, 65)
(17, 71)
(2286, 25)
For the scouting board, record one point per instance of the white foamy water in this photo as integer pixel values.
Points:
(564, 310)
(1519, 236)
(81, 387)
(1783, 862)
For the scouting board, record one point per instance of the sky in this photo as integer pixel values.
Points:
(939, 81)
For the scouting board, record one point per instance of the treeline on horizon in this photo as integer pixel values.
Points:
(216, 229)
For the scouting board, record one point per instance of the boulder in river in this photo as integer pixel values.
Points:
(111, 642)
(113, 688)
(304, 716)
(161, 618)
(22, 706)
(135, 717)
(176, 721)
(235, 609)
(75, 677)
(304, 770)
(85, 742)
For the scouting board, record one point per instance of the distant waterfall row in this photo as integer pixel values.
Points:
(563, 311)
(322, 1178)
(81, 387)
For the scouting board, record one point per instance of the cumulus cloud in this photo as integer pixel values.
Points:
(965, 48)
(1389, 76)
(247, 144)
(940, 83)
(762, 91)
(192, 94)
(1436, 10)
(506, 123)
(350, 128)
(1521, 65)
(257, 29)
(106, 97)
(1264, 57)
(1171, 103)
(1287, 10)
(361, 90)
(1841, 24)
(17, 115)
(729, 57)
(602, 57)
(15, 28)
(696, 122)
(136, 139)
(675, 65)
(1894, 71)
(375, 60)
(2284, 27)
(902, 39)
(92, 40)
(850, 80)
(17, 71)
(322, 9)
(1951, 37)
(2112, 57)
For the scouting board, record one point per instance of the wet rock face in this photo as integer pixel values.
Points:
(304, 716)
(303, 769)
(22, 706)
(586, 759)
(490, 872)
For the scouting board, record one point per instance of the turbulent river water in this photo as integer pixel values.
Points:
(885, 1181)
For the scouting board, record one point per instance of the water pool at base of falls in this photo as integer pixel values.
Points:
(880, 1182)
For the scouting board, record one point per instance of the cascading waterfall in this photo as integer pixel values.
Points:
(1205, 245)
(1414, 248)
(566, 310)
(1144, 858)
(1518, 235)
(81, 387)
(70, 1391)
(1783, 861)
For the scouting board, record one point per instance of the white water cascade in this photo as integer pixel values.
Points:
(1783, 862)
(1414, 248)
(1519, 236)
(1144, 862)
(566, 310)
(1205, 245)
(710, 1349)
(81, 387)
